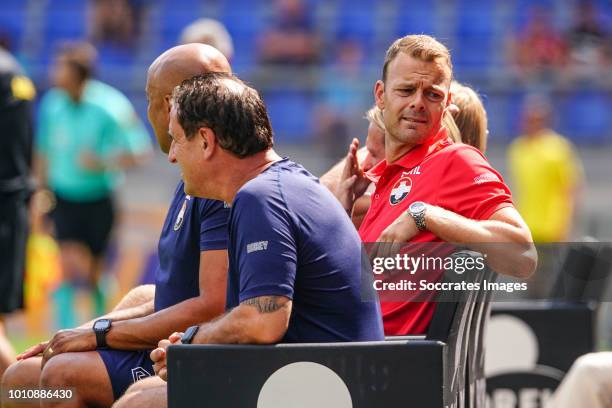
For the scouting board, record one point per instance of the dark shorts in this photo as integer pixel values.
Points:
(126, 367)
(89, 223)
(13, 239)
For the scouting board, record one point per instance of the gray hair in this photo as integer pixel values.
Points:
(211, 32)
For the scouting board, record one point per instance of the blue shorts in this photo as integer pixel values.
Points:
(126, 367)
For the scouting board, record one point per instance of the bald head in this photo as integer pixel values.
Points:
(169, 70)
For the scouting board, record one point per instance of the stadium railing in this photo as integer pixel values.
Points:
(435, 370)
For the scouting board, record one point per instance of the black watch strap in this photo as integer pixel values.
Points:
(101, 339)
(100, 328)
(189, 334)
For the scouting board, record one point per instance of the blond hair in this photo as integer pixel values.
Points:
(422, 47)
(471, 118)
(453, 130)
(374, 115)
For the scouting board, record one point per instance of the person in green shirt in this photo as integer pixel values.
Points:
(88, 133)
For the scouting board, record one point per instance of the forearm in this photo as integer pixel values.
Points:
(452, 227)
(332, 178)
(39, 169)
(134, 312)
(508, 247)
(145, 332)
(265, 323)
(133, 159)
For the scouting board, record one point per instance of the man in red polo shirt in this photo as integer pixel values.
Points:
(428, 188)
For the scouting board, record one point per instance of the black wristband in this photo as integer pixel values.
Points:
(189, 334)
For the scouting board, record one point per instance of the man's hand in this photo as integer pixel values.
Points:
(33, 351)
(159, 355)
(402, 229)
(352, 182)
(65, 341)
(399, 232)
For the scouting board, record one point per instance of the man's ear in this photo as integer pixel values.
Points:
(379, 93)
(168, 102)
(207, 141)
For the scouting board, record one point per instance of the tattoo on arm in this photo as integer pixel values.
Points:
(267, 304)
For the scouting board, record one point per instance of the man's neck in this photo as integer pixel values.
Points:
(240, 171)
(77, 92)
(536, 133)
(394, 150)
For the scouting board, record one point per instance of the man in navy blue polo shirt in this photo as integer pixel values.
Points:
(295, 258)
(190, 283)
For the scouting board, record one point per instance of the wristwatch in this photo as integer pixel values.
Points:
(101, 327)
(417, 212)
(189, 334)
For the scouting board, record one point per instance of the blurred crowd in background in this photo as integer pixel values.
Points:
(320, 58)
(538, 65)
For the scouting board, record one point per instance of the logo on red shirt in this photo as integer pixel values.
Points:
(400, 190)
(485, 178)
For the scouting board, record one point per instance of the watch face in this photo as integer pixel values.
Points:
(417, 207)
(189, 334)
(101, 325)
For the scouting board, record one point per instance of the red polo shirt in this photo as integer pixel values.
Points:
(456, 177)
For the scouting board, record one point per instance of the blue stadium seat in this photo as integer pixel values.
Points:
(291, 113)
(472, 53)
(474, 37)
(244, 21)
(173, 17)
(523, 9)
(112, 55)
(173, 21)
(12, 21)
(414, 17)
(585, 116)
(513, 114)
(65, 23)
(504, 115)
(497, 107)
(13, 4)
(65, 5)
(356, 19)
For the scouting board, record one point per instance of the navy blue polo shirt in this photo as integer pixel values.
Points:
(289, 236)
(192, 225)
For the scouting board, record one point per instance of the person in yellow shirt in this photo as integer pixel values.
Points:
(546, 173)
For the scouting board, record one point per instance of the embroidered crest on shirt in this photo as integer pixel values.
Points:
(181, 214)
(400, 190)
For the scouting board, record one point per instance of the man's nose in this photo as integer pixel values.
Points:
(417, 102)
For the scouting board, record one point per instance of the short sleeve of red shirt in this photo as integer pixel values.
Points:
(470, 186)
